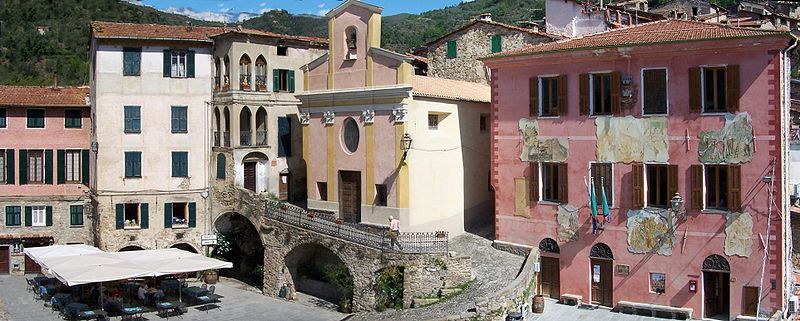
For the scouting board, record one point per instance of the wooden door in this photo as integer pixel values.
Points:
(4, 259)
(31, 267)
(602, 285)
(250, 176)
(551, 283)
(283, 186)
(750, 301)
(350, 197)
(716, 293)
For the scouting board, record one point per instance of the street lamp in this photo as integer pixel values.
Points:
(677, 202)
(406, 145)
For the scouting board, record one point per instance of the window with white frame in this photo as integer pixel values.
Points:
(35, 166)
(38, 215)
(548, 96)
(131, 215)
(714, 89)
(178, 63)
(600, 94)
(2, 166)
(180, 216)
(73, 166)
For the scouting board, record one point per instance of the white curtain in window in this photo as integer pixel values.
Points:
(73, 169)
(35, 167)
(2, 167)
(39, 214)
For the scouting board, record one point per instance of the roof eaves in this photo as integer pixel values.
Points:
(315, 63)
(518, 54)
(348, 3)
(154, 38)
(390, 54)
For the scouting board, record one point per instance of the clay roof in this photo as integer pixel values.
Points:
(493, 23)
(658, 32)
(44, 96)
(433, 87)
(103, 29)
(256, 32)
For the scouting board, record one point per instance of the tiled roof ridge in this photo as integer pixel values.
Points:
(209, 31)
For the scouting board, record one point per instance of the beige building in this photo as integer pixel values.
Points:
(380, 141)
(151, 86)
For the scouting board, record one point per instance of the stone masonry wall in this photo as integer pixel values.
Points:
(471, 44)
(426, 275)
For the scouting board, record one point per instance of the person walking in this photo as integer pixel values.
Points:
(394, 232)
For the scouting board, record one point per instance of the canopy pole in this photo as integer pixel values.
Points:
(102, 306)
(180, 292)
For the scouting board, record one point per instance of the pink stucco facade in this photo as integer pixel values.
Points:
(703, 233)
(54, 136)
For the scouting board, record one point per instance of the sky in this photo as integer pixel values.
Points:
(237, 10)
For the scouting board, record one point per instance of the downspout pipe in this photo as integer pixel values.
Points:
(788, 269)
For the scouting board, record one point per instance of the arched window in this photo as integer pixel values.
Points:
(244, 72)
(601, 251)
(549, 245)
(716, 263)
(261, 74)
(220, 166)
(351, 34)
(350, 135)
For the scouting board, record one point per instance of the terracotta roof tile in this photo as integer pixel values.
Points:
(663, 31)
(44, 96)
(274, 35)
(102, 29)
(433, 87)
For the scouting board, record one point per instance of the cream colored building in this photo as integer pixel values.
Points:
(362, 102)
(151, 89)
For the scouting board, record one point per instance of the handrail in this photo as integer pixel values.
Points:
(374, 237)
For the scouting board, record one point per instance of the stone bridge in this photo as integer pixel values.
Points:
(284, 229)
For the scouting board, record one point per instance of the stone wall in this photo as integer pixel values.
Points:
(425, 275)
(520, 291)
(472, 43)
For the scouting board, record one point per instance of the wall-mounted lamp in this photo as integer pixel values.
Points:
(406, 145)
(677, 203)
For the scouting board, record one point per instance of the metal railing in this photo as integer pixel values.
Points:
(261, 82)
(261, 137)
(374, 237)
(245, 139)
(226, 139)
(216, 139)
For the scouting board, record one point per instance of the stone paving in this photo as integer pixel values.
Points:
(494, 269)
(238, 303)
(554, 311)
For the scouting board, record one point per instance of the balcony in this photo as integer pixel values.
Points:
(261, 83)
(245, 138)
(216, 138)
(261, 137)
(226, 139)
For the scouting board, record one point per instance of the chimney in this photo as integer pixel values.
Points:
(529, 25)
(55, 80)
(485, 17)
(188, 26)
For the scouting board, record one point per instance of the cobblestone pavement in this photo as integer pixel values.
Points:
(494, 269)
(238, 303)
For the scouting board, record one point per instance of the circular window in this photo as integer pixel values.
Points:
(350, 135)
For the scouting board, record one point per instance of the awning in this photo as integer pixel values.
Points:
(75, 265)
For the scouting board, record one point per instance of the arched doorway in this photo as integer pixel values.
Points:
(185, 247)
(550, 270)
(255, 172)
(239, 243)
(131, 248)
(319, 272)
(716, 287)
(602, 263)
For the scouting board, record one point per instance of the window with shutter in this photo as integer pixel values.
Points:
(284, 137)
(133, 164)
(562, 95)
(497, 45)
(714, 94)
(637, 185)
(717, 188)
(220, 166)
(178, 64)
(76, 215)
(132, 119)
(2, 166)
(583, 94)
(3, 122)
(696, 185)
(602, 175)
(695, 90)
(131, 215)
(657, 178)
(192, 214)
(13, 216)
(533, 96)
(290, 81)
(9, 166)
(533, 182)
(732, 88)
(35, 166)
(601, 89)
(451, 49)
(131, 61)
(734, 187)
(38, 215)
(72, 118)
(179, 122)
(180, 164)
(85, 167)
(554, 182)
(190, 64)
(654, 91)
(72, 169)
(180, 215)
(548, 96)
(35, 118)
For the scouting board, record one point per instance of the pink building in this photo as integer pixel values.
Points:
(647, 113)
(44, 171)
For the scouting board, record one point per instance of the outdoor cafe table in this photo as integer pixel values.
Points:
(92, 315)
(129, 312)
(165, 306)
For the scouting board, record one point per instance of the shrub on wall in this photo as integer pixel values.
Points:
(389, 288)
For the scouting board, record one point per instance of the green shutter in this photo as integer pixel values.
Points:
(291, 80)
(144, 216)
(284, 137)
(23, 166)
(220, 166)
(451, 49)
(167, 215)
(28, 216)
(497, 44)
(61, 166)
(276, 80)
(10, 166)
(85, 167)
(48, 166)
(48, 218)
(192, 214)
(120, 216)
(167, 62)
(190, 64)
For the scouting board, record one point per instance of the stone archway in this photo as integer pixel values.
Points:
(130, 248)
(318, 271)
(241, 244)
(185, 247)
